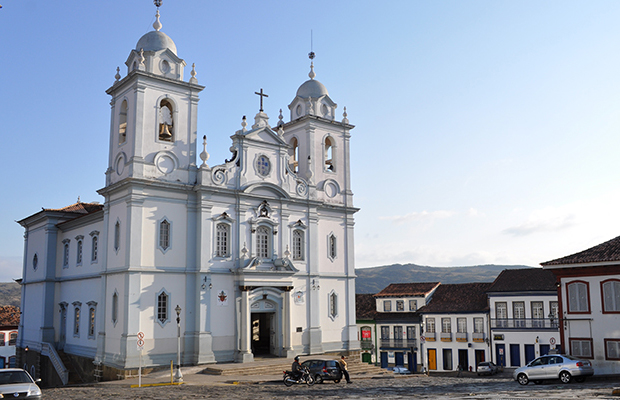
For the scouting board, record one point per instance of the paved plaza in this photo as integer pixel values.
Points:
(199, 386)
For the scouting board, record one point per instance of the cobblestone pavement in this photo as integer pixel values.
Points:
(416, 386)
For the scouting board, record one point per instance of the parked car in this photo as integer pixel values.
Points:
(561, 367)
(486, 367)
(324, 370)
(401, 370)
(17, 383)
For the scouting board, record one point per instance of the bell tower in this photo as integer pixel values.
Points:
(153, 114)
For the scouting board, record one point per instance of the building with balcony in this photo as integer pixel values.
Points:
(398, 322)
(588, 287)
(365, 313)
(455, 324)
(523, 307)
(9, 321)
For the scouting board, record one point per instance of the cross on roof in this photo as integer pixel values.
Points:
(261, 94)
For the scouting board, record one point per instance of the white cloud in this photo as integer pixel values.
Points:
(425, 216)
(546, 220)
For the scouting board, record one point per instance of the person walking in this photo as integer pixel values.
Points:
(343, 368)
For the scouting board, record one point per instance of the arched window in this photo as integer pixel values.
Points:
(115, 308)
(65, 254)
(222, 238)
(329, 156)
(122, 123)
(263, 242)
(95, 244)
(117, 235)
(166, 121)
(79, 249)
(578, 297)
(76, 320)
(331, 247)
(611, 295)
(294, 155)
(298, 244)
(35, 262)
(91, 322)
(164, 234)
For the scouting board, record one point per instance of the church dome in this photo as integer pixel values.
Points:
(155, 41)
(311, 88)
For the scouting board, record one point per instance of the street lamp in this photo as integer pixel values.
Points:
(178, 376)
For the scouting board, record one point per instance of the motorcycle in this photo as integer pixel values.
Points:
(306, 377)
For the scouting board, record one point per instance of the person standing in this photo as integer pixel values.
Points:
(343, 368)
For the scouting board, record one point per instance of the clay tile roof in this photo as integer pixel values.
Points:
(524, 280)
(407, 289)
(79, 207)
(9, 316)
(608, 251)
(365, 306)
(461, 297)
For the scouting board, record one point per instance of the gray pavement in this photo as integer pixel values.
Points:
(436, 386)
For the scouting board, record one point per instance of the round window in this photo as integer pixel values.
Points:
(263, 166)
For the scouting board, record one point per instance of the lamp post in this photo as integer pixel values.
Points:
(178, 376)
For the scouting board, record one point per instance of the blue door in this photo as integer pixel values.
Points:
(384, 359)
(515, 356)
(412, 362)
(530, 353)
(500, 354)
(544, 349)
(399, 359)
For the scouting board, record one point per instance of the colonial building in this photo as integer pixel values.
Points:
(253, 256)
(455, 323)
(398, 322)
(366, 311)
(523, 306)
(9, 321)
(588, 287)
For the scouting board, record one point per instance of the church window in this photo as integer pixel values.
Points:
(263, 166)
(65, 254)
(162, 308)
(333, 305)
(95, 244)
(35, 262)
(117, 236)
(91, 321)
(164, 235)
(329, 155)
(79, 249)
(166, 121)
(298, 244)
(77, 308)
(222, 237)
(331, 247)
(115, 308)
(263, 241)
(294, 155)
(122, 123)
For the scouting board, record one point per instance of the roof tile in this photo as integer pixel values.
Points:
(608, 251)
(459, 297)
(407, 289)
(524, 280)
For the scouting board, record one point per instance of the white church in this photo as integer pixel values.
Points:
(255, 254)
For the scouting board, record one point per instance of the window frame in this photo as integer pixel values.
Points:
(415, 305)
(165, 312)
(77, 315)
(115, 308)
(332, 246)
(446, 325)
(387, 303)
(385, 332)
(461, 321)
(329, 154)
(65, 253)
(2, 339)
(92, 319)
(607, 357)
(398, 332)
(478, 325)
(430, 325)
(603, 303)
(222, 247)
(117, 236)
(79, 256)
(411, 332)
(571, 340)
(264, 250)
(298, 240)
(568, 302)
(12, 339)
(333, 305)
(94, 249)
(400, 305)
(164, 236)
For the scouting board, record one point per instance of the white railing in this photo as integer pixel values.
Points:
(49, 351)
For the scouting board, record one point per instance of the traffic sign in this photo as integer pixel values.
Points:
(552, 340)
(422, 339)
(140, 335)
(140, 342)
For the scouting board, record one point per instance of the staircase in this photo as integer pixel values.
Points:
(74, 376)
(275, 366)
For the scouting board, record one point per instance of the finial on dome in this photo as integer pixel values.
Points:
(311, 74)
(118, 75)
(204, 156)
(193, 73)
(280, 118)
(243, 124)
(157, 25)
(345, 120)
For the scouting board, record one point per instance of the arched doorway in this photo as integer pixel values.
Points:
(266, 321)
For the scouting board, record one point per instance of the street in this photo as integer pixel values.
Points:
(399, 387)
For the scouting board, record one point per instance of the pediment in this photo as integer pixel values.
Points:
(277, 266)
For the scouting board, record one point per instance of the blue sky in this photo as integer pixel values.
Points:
(486, 131)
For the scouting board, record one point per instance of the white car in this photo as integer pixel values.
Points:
(17, 383)
(554, 366)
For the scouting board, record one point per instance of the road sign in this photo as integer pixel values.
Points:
(422, 339)
(140, 342)
(552, 340)
(140, 335)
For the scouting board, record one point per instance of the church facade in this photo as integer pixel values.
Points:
(253, 256)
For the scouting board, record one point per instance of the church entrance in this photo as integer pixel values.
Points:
(263, 333)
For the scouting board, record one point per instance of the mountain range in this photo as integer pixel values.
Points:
(374, 279)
